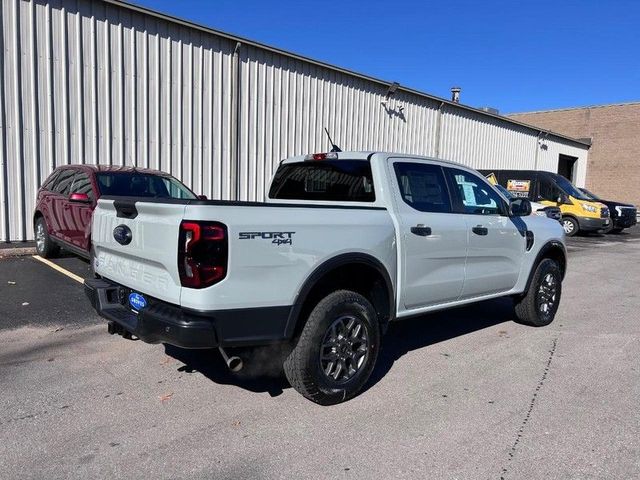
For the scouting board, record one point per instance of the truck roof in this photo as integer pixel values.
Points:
(366, 155)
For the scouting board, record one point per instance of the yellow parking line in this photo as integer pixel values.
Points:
(59, 269)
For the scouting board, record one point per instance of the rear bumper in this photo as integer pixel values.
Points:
(162, 322)
(158, 323)
(589, 224)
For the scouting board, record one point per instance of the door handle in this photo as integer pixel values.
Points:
(421, 230)
(480, 230)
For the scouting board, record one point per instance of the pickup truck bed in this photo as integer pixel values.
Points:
(257, 301)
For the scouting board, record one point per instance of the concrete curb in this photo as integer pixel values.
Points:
(17, 252)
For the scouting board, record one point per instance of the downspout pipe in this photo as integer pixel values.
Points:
(439, 130)
(235, 121)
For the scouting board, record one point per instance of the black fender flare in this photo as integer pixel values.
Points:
(542, 253)
(328, 266)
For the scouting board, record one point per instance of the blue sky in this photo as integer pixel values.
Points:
(512, 55)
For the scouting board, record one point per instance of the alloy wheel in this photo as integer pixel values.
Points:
(40, 237)
(344, 349)
(547, 295)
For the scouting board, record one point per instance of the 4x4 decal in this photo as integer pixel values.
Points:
(279, 238)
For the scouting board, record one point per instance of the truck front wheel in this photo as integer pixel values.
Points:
(337, 349)
(570, 226)
(540, 303)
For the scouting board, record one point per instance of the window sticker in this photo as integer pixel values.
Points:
(469, 194)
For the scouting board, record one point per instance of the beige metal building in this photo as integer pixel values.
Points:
(614, 132)
(101, 81)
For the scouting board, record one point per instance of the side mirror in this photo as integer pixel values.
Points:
(562, 199)
(202, 197)
(79, 198)
(519, 207)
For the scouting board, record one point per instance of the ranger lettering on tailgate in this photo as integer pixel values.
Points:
(120, 267)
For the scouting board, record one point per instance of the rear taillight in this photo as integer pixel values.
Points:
(202, 253)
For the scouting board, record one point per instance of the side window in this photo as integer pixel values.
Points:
(49, 182)
(548, 191)
(65, 179)
(476, 195)
(423, 186)
(82, 184)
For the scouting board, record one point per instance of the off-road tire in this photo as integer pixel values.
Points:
(46, 247)
(528, 308)
(303, 368)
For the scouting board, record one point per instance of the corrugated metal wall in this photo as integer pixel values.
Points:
(97, 82)
(286, 103)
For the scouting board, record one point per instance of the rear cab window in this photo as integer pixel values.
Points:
(324, 180)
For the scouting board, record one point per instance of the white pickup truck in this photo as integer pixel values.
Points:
(345, 244)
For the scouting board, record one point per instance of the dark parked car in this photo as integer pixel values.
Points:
(623, 215)
(66, 200)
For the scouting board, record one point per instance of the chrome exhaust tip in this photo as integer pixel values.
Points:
(234, 363)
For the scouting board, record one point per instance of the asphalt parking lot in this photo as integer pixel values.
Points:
(461, 394)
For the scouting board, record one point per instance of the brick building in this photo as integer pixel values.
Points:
(613, 168)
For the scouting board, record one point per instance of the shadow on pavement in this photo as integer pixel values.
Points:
(599, 237)
(419, 332)
(590, 235)
(263, 366)
(262, 370)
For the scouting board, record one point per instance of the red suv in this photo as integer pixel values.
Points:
(66, 200)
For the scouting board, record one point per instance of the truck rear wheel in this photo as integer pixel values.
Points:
(337, 349)
(539, 305)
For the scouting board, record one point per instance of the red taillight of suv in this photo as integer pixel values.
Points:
(202, 253)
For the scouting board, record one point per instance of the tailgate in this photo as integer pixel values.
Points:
(147, 261)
